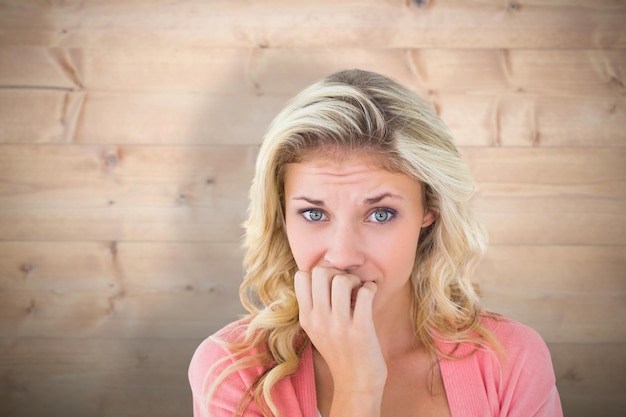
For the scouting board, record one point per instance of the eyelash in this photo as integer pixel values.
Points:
(390, 212)
(305, 212)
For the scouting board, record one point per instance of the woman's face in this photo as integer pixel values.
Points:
(355, 216)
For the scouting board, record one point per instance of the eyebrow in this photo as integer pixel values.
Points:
(310, 201)
(378, 199)
(367, 201)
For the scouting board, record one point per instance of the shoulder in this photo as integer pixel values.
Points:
(517, 340)
(523, 371)
(216, 346)
(511, 339)
(215, 354)
(519, 348)
(514, 379)
(216, 364)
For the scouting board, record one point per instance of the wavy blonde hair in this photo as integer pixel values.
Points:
(350, 111)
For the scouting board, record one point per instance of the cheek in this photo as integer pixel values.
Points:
(400, 255)
(301, 245)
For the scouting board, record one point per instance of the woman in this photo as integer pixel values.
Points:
(360, 246)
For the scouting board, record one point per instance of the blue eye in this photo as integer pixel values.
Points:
(381, 215)
(313, 215)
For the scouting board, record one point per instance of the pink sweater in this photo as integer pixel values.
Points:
(477, 386)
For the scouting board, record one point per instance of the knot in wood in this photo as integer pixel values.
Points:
(514, 6)
(27, 267)
(113, 249)
(111, 160)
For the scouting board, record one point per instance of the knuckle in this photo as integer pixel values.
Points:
(317, 271)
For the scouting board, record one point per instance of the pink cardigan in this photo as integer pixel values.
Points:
(477, 386)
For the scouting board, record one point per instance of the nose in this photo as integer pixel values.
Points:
(345, 247)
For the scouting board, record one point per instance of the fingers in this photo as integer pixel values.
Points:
(327, 291)
(341, 294)
(321, 279)
(364, 302)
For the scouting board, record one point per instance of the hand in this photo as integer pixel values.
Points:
(336, 314)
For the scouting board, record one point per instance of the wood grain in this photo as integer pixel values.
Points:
(281, 24)
(225, 71)
(125, 176)
(173, 290)
(94, 377)
(172, 193)
(590, 378)
(128, 133)
(186, 119)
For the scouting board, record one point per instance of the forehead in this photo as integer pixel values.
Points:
(335, 165)
(362, 171)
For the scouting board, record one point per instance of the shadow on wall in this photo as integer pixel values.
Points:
(125, 249)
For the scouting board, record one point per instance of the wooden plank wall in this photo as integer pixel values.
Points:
(128, 132)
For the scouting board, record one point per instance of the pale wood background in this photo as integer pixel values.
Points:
(128, 132)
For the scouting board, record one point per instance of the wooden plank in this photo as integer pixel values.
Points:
(141, 289)
(39, 115)
(108, 399)
(575, 270)
(570, 72)
(533, 120)
(52, 116)
(573, 171)
(183, 267)
(113, 268)
(283, 72)
(116, 177)
(195, 286)
(122, 315)
(105, 377)
(29, 67)
(555, 228)
(591, 378)
(117, 224)
(181, 119)
(117, 289)
(528, 196)
(206, 176)
(589, 368)
(282, 24)
(573, 294)
(219, 71)
(569, 294)
(110, 193)
(562, 316)
(584, 405)
(550, 202)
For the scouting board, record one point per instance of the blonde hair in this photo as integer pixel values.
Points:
(350, 111)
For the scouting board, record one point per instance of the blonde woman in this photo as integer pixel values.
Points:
(360, 248)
